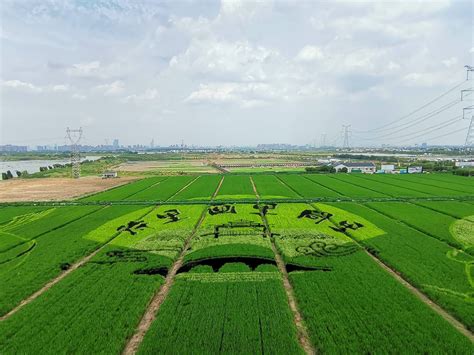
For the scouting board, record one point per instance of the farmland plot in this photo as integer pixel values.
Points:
(163, 190)
(25, 227)
(307, 188)
(454, 183)
(236, 187)
(441, 272)
(270, 187)
(201, 189)
(124, 191)
(224, 312)
(432, 223)
(410, 184)
(343, 187)
(378, 185)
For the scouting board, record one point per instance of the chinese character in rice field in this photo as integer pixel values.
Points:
(265, 208)
(344, 225)
(317, 216)
(132, 227)
(171, 215)
(213, 210)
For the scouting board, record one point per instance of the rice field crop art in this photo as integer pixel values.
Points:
(230, 230)
(26, 267)
(161, 231)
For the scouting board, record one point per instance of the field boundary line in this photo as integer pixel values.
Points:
(362, 187)
(340, 198)
(394, 178)
(160, 296)
(109, 189)
(420, 295)
(392, 183)
(435, 210)
(328, 188)
(214, 195)
(62, 275)
(146, 188)
(254, 188)
(288, 186)
(302, 331)
(445, 181)
(182, 189)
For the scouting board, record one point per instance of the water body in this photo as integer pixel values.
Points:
(33, 166)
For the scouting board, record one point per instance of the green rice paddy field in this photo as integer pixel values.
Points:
(276, 264)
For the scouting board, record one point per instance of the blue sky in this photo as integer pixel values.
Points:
(231, 72)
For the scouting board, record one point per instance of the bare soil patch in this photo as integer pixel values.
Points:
(50, 189)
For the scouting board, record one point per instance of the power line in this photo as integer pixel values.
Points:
(416, 110)
(419, 120)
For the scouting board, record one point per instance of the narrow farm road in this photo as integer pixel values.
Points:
(301, 329)
(254, 188)
(153, 307)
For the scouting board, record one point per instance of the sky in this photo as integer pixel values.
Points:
(234, 72)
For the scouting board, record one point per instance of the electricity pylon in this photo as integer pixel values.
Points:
(346, 132)
(74, 136)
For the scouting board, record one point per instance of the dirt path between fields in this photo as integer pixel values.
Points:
(302, 332)
(184, 187)
(254, 188)
(153, 307)
(218, 188)
(60, 277)
(454, 322)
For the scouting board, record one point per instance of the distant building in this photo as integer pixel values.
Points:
(13, 148)
(415, 170)
(464, 164)
(109, 175)
(387, 168)
(356, 167)
(115, 144)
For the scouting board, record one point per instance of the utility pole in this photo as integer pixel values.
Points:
(74, 136)
(346, 132)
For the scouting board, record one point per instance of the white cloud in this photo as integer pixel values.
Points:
(148, 95)
(112, 89)
(85, 69)
(309, 54)
(60, 88)
(450, 62)
(79, 97)
(22, 85)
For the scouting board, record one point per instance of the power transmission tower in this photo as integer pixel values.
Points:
(74, 136)
(346, 132)
(323, 140)
(469, 68)
(469, 110)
